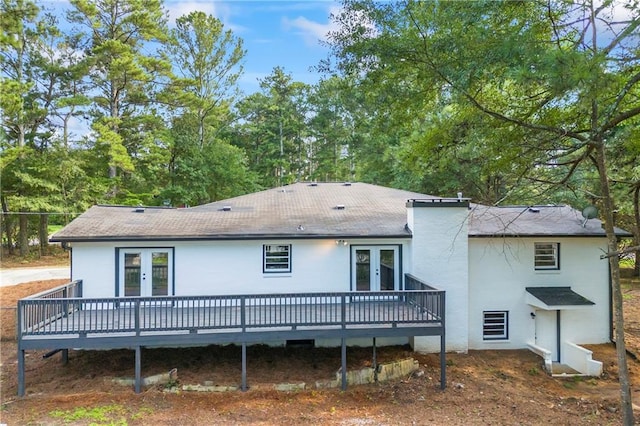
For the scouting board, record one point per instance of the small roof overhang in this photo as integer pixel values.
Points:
(556, 298)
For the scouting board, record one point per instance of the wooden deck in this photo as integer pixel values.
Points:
(57, 322)
(93, 322)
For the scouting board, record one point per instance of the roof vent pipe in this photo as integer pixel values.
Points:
(226, 208)
(459, 196)
(139, 209)
(340, 207)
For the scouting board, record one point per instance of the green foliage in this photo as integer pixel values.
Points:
(549, 89)
(113, 414)
(124, 75)
(201, 174)
(461, 82)
(208, 60)
(274, 132)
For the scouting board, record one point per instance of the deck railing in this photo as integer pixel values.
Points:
(418, 294)
(54, 314)
(41, 314)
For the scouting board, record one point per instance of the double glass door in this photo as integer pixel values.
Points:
(145, 272)
(375, 268)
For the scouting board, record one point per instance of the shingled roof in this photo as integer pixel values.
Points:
(523, 221)
(301, 210)
(305, 210)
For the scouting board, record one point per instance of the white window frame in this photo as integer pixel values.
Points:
(546, 257)
(495, 325)
(276, 258)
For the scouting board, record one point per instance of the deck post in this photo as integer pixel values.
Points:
(243, 385)
(443, 363)
(137, 316)
(344, 364)
(443, 345)
(138, 368)
(65, 356)
(21, 372)
(375, 362)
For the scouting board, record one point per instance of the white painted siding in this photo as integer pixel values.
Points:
(229, 267)
(95, 265)
(439, 256)
(235, 267)
(501, 269)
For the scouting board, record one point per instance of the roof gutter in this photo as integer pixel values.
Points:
(230, 237)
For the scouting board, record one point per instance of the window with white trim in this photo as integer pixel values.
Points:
(547, 256)
(276, 258)
(495, 325)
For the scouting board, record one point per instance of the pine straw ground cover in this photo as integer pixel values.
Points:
(483, 387)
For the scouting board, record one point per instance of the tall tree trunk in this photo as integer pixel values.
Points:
(23, 236)
(614, 264)
(7, 221)
(43, 234)
(636, 233)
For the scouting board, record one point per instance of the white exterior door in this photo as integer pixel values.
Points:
(547, 332)
(375, 268)
(145, 272)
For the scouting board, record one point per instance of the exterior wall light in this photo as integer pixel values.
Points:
(341, 242)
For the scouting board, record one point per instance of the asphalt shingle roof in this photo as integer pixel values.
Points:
(301, 210)
(559, 296)
(305, 210)
(525, 221)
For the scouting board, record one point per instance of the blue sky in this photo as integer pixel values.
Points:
(275, 33)
(283, 33)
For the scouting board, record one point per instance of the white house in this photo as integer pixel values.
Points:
(513, 277)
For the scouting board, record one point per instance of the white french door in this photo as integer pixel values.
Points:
(145, 272)
(375, 268)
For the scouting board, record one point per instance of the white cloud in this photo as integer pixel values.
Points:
(178, 8)
(222, 11)
(310, 31)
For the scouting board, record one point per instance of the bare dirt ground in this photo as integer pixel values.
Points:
(483, 387)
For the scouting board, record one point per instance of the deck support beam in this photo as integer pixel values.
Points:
(443, 361)
(375, 362)
(419, 311)
(243, 385)
(21, 372)
(344, 364)
(138, 370)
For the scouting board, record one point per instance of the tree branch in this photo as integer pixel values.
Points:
(619, 252)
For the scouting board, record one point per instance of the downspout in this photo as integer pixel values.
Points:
(611, 339)
(558, 337)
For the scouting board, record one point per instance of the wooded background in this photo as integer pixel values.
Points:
(506, 102)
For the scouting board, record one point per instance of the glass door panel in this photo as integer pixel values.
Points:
(387, 269)
(132, 274)
(159, 273)
(363, 269)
